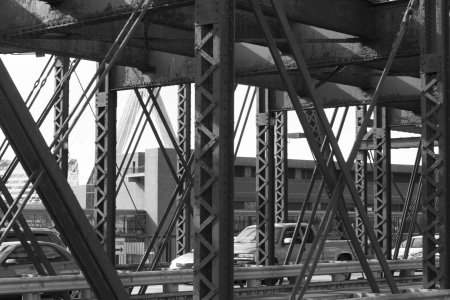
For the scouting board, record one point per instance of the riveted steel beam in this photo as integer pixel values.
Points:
(435, 92)
(183, 229)
(264, 179)
(348, 16)
(105, 166)
(213, 171)
(61, 111)
(361, 181)
(382, 181)
(281, 166)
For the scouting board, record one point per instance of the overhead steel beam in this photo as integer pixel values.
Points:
(348, 16)
(86, 49)
(31, 149)
(170, 70)
(66, 29)
(396, 143)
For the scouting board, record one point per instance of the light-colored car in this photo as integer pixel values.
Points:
(15, 261)
(41, 234)
(245, 247)
(415, 249)
(185, 261)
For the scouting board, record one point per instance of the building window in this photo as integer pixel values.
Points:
(239, 171)
(90, 195)
(291, 173)
(306, 174)
(250, 205)
(253, 172)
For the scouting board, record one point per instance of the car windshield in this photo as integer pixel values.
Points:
(4, 251)
(248, 235)
(415, 243)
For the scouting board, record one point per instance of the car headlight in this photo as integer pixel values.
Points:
(245, 255)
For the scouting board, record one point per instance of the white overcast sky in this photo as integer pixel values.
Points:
(25, 69)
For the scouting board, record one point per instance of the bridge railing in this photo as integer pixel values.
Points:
(31, 287)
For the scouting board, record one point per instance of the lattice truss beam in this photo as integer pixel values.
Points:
(183, 232)
(105, 166)
(361, 180)
(382, 182)
(61, 112)
(281, 166)
(435, 92)
(213, 189)
(264, 179)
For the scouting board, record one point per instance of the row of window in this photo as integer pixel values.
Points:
(125, 223)
(299, 173)
(251, 205)
(292, 173)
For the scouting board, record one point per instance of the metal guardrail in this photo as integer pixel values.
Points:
(426, 294)
(45, 284)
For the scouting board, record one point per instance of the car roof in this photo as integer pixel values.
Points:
(42, 243)
(34, 229)
(281, 225)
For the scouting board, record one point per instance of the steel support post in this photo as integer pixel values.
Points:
(361, 181)
(213, 171)
(382, 180)
(281, 166)
(434, 57)
(61, 112)
(264, 179)
(105, 166)
(183, 229)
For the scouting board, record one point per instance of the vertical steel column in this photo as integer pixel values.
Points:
(382, 180)
(213, 171)
(264, 179)
(434, 69)
(361, 180)
(183, 231)
(61, 112)
(281, 166)
(105, 166)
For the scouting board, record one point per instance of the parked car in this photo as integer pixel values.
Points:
(41, 234)
(15, 261)
(185, 261)
(415, 249)
(245, 247)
